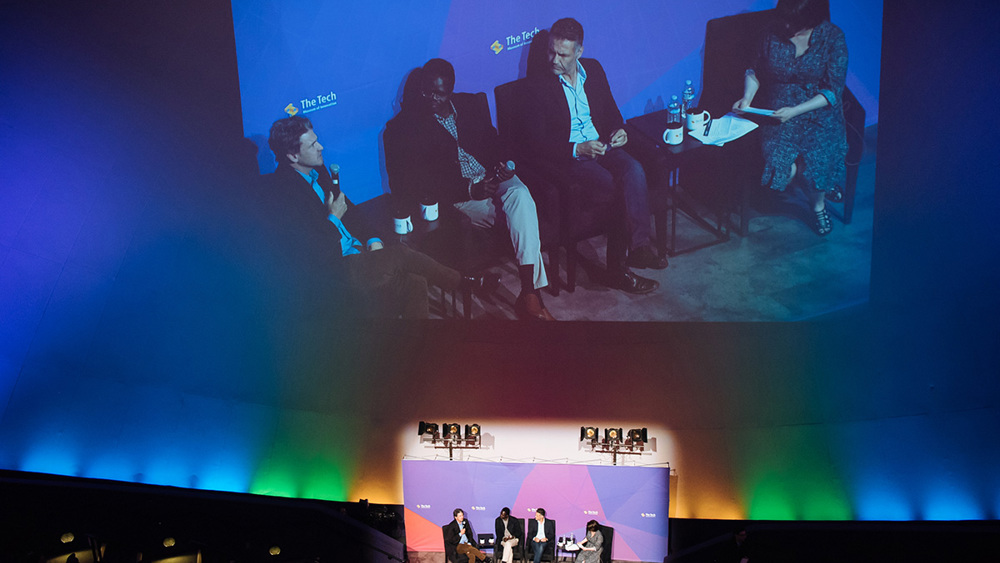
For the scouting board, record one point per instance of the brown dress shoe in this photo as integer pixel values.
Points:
(529, 306)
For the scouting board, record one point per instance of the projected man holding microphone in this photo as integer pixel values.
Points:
(447, 149)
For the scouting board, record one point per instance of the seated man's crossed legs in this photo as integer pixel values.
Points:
(518, 210)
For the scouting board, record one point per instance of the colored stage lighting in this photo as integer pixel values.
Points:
(472, 432)
(589, 434)
(453, 431)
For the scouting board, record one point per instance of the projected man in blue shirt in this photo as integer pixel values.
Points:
(443, 146)
(393, 278)
(573, 123)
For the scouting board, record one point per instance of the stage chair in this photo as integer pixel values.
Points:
(730, 45)
(609, 536)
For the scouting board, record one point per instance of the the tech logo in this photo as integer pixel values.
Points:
(291, 110)
(515, 40)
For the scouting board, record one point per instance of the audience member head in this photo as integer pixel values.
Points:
(293, 141)
(539, 514)
(565, 46)
(796, 15)
(740, 536)
(592, 526)
(437, 82)
(459, 514)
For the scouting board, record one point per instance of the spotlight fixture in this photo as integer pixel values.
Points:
(637, 436)
(67, 537)
(449, 436)
(430, 429)
(472, 433)
(612, 435)
(615, 441)
(169, 542)
(452, 431)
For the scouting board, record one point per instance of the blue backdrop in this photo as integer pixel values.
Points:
(343, 64)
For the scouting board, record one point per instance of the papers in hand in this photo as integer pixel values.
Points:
(758, 111)
(727, 128)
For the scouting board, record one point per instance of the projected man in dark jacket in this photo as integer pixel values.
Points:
(301, 192)
(572, 122)
(443, 145)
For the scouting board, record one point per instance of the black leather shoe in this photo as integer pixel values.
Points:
(482, 285)
(645, 258)
(634, 284)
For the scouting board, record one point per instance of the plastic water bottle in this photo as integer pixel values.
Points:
(673, 111)
(687, 98)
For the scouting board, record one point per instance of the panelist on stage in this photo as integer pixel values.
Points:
(541, 533)
(508, 532)
(460, 537)
(573, 123)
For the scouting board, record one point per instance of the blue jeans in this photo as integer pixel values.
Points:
(538, 547)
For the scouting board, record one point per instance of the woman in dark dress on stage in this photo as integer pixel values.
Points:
(802, 64)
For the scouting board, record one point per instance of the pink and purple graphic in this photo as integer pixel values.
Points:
(632, 500)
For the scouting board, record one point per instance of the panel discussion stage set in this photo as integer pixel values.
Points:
(632, 500)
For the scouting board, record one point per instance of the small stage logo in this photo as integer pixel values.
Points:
(648, 515)
(291, 110)
(515, 40)
(423, 506)
(309, 105)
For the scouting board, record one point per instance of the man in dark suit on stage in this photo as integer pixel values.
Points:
(509, 533)
(443, 146)
(572, 122)
(541, 534)
(314, 212)
(460, 538)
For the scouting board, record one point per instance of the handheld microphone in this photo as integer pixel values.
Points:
(335, 179)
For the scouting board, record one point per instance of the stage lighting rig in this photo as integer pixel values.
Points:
(449, 436)
(615, 441)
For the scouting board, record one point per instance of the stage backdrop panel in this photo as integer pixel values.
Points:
(632, 500)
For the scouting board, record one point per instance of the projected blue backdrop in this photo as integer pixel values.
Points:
(343, 64)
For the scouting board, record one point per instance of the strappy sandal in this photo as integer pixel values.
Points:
(822, 224)
(836, 195)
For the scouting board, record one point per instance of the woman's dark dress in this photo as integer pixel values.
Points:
(817, 136)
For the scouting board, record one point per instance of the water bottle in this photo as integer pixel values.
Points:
(673, 111)
(687, 98)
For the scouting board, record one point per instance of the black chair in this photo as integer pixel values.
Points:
(574, 215)
(731, 43)
(609, 537)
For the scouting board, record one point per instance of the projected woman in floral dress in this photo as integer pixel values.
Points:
(802, 64)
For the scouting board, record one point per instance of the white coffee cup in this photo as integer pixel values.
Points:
(429, 211)
(402, 225)
(674, 134)
(697, 118)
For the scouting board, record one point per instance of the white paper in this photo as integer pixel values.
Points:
(727, 128)
(758, 111)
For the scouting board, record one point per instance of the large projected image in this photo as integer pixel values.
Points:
(737, 251)
(632, 500)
